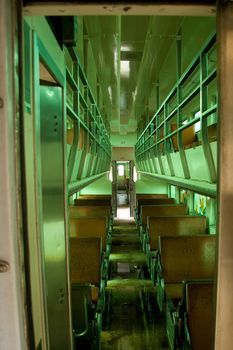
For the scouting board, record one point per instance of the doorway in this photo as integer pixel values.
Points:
(122, 184)
(123, 189)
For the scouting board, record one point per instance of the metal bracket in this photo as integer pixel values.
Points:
(4, 266)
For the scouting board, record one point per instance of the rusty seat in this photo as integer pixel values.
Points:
(157, 210)
(91, 211)
(196, 314)
(87, 290)
(169, 226)
(86, 227)
(181, 258)
(150, 201)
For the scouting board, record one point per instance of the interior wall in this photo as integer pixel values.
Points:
(174, 193)
(149, 185)
(101, 186)
(197, 205)
(42, 29)
(79, 45)
(194, 32)
(123, 153)
(91, 71)
(118, 140)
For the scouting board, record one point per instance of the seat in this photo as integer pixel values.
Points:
(179, 225)
(88, 296)
(86, 317)
(196, 314)
(181, 258)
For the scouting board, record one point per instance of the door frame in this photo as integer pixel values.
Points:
(11, 217)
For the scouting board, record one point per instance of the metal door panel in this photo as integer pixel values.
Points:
(54, 239)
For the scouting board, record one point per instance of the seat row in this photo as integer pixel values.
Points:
(180, 256)
(90, 228)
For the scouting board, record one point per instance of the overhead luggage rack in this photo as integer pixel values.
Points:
(173, 128)
(88, 133)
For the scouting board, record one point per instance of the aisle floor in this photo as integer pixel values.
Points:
(128, 325)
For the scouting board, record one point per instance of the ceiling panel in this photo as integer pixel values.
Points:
(130, 53)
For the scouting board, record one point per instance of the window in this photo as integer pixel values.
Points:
(200, 204)
(197, 125)
(110, 175)
(121, 170)
(135, 174)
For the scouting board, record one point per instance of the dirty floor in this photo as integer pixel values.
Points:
(132, 320)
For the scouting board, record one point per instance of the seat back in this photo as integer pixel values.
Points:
(89, 227)
(188, 136)
(86, 211)
(96, 196)
(200, 313)
(152, 195)
(186, 257)
(95, 202)
(174, 225)
(162, 210)
(153, 201)
(85, 260)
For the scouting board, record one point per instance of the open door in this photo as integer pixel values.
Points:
(53, 240)
(50, 135)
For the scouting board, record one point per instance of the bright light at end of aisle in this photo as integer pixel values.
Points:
(124, 213)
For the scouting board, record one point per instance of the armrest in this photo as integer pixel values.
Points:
(160, 292)
(81, 329)
(153, 266)
(99, 306)
(186, 336)
(160, 286)
(172, 324)
(104, 267)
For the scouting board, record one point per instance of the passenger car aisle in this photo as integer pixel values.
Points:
(128, 324)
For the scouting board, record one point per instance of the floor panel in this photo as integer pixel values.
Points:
(129, 323)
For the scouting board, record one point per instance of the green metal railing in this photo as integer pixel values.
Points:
(84, 113)
(191, 92)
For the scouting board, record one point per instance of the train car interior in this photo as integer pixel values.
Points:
(116, 175)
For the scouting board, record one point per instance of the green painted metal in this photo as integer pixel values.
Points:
(77, 186)
(156, 138)
(49, 137)
(101, 186)
(203, 108)
(85, 114)
(208, 189)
